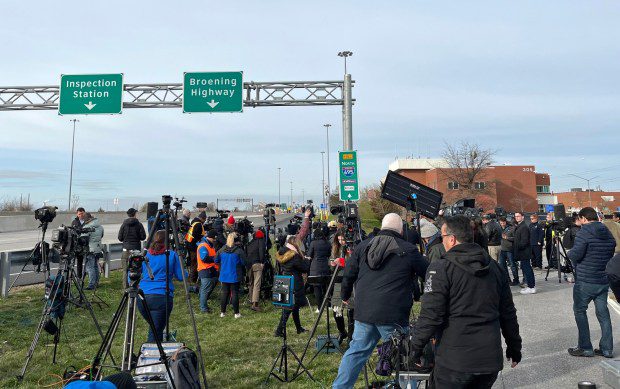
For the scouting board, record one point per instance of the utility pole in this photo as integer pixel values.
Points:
(71, 171)
(323, 180)
(279, 201)
(291, 203)
(329, 183)
(588, 181)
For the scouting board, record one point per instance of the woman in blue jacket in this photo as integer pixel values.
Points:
(155, 289)
(231, 259)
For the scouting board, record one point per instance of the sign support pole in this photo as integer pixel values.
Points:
(71, 171)
(347, 108)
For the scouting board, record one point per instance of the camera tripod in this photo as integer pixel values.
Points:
(560, 252)
(168, 217)
(44, 247)
(53, 312)
(129, 303)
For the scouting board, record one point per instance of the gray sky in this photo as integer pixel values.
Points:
(538, 81)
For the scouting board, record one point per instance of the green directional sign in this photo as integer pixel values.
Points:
(349, 184)
(213, 92)
(87, 94)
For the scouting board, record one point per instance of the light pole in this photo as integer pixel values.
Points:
(345, 54)
(303, 196)
(71, 171)
(279, 201)
(329, 184)
(347, 106)
(588, 181)
(291, 203)
(323, 180)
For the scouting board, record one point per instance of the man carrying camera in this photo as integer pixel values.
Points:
(383, 270)
(78, 222)
(131, 234)
(468, 300)
(95, 250)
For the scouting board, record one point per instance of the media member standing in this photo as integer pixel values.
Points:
(208, 270)
(506, 257)
(319, 252)
(193, 236)
(383, 270)
(522, 252)
(95, 250)
(537, 238)
(256, 256)
(468, 300)
(494, 234)
(594, 246)
(78, 222)
(131, 234)
(231, 259)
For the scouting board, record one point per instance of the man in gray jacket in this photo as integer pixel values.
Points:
(95, 250)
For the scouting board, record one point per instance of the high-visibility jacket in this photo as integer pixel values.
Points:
(190, 236)
(206, 252)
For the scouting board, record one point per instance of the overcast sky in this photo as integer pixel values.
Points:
(538, 81)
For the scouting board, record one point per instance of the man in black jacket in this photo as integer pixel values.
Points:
(468, 300)
(255, 253)
(383, 270)
(537, 237)
(192, 239)
(78, 222)
(494, 235)
(131, 234)
(522, 252)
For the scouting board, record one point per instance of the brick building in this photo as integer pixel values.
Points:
(578, 198)
(512, 187)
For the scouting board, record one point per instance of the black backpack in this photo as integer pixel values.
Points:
(184, 369)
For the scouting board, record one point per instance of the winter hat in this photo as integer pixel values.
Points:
(231, 220)
(428, 230)
(393, 222)
(259, 234)
(211, 234)
(131, 212)
(202, 215)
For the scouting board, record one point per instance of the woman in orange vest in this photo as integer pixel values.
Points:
(207, 269)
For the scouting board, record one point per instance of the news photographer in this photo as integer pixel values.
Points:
(193, 236)
(155, 289)
(340, 255)
(95, 250)
(256, 257)
(231, 259)
(78, 222)
(290, 257)
(383, 270)
(506, 255)
(131, 234)
(468, 301)
(208, 270)
(319, 252)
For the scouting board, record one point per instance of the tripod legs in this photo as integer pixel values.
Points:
(282, 359)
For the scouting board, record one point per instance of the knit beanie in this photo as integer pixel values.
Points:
(428, 230)
(393, 222)
(231, 220)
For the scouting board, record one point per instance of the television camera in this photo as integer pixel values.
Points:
(45, 214)
(348, 214)
(71, 240)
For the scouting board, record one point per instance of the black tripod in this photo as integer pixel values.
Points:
(53, 309)
(129, 303)
(43, 247)
(282, 362)
(560, 252)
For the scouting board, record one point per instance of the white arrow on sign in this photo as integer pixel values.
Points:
(90, 105)
(213, 103)
(349, 195)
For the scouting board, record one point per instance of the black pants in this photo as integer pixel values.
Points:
(286, 313)
(79, 265)
(159, 313)
(443, 378)
(537, 256)
(318, 295)
(229, 290)
(614, 285)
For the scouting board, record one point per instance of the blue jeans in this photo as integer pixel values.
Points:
(506, 259)
(92, 268)
(207, 284)
(157, 306)
(583, 293)
(528, 273)
(365, 339)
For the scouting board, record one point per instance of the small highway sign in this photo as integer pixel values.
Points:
(349, 185)
(213, 92)
(88, 94)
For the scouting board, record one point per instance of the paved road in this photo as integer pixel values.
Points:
(548, 329)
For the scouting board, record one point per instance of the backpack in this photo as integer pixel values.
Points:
(184, 369)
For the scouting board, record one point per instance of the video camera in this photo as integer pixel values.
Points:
(71, 240)
(348, 214)
(244, 226)
(311, 206)
(45, 214)
(134, 266)
(269, 214)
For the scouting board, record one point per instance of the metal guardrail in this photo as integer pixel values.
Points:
(111, 252)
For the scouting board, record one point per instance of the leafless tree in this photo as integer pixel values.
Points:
(378, 205)
(466, 165)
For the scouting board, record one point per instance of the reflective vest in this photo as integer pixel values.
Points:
(189, 237)
(211, 253)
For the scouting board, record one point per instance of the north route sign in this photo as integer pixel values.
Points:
(213, 92)
(88, 94)
(349, 184)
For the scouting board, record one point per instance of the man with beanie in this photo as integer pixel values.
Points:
(131, 233)
(467, 301)
(383, 270)
(192, 239)
(433, 249)
(494, 235)
(255, 253)
(207, 268)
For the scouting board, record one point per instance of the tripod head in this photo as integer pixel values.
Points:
(134, 267)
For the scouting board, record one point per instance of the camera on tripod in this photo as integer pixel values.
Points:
(134, 266)
(45, 214)
(71, 240)
(244, 227)
(348, 214)
(269, 214)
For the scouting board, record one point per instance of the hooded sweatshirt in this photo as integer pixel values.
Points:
(467, 299)
(594, 246)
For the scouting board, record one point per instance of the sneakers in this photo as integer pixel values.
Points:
(599, 353)
(528, 291)
(237, 315)
(578, 352)
(317, 311)
(222, 314)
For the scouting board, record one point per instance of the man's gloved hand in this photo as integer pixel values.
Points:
(514, 356)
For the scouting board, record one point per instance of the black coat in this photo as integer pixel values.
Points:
(537, 234)
(594, 247)
(293, 264)
(494, 233)
(467, 298)
(521, 243)
(383, 270)
(319, 251)
(131, 234)
(256, 251)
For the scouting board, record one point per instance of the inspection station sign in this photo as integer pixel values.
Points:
(87, 94)
(213, 92)
(349, 185)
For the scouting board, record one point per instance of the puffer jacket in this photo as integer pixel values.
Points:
(293, 264)
(94, 238)
(521, 243)
(232, 264)
(319, 251)
(594, 246)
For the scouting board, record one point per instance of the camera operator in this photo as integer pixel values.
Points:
(468, 300)
(506, 255)
(78, 222)
(193, 236)
(290, 257)
(131, 234)
(155, 289)
(95, 250)
(522, 251)
(431, 236)
(186, 217)
(256, 257)
(494, 233)
(319, 252)
(537, 237)
(340, 256)
(231, 259)
(383, 270)
(594, 247)
(207, 268)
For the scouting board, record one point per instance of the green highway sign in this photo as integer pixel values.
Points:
(349, 184)
(213, 92)
(87, 94)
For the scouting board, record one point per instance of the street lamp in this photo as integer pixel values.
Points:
(329, 184)
(323, 171)
(71, 171)
(345, 54)
(291, 203)
(279, 201)
(588, 181)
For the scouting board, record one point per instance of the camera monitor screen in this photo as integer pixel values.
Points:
(399, 189)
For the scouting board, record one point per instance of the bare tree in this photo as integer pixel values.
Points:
(466, 167)
(378, 205)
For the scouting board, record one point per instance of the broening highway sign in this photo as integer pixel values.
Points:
(213, 92)
(86, 94)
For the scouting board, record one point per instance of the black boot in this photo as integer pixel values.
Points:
(282, 325)
(351, 322)
(297, 321)
(340, 325)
